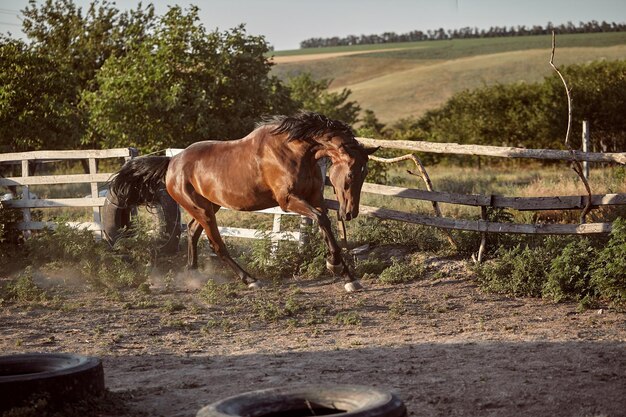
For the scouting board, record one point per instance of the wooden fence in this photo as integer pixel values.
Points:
(93, 178)
(496, 201)
(484, 201)
(95, 201)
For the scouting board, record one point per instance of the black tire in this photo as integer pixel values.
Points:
(166, 214)
(327, 400)
(114, 218)
(168, 222)
(57, 377)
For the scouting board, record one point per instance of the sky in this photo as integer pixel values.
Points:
(285, 23)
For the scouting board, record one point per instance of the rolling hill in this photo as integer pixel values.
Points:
(406, 79)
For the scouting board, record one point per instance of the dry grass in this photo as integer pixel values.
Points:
(410, 91)
(401, 80)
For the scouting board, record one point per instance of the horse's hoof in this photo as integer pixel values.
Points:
(353, 286)
(255, 285)
(335, 269)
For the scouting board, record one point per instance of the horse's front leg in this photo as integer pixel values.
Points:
(335, 262)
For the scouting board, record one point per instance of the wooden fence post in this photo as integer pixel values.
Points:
(483, 236)
(586, 145)
(26, 196)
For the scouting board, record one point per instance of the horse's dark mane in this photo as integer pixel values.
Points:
(307, 126)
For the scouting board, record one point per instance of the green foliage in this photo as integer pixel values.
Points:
(23, 289)
(272, 260)
(66, 48)
(35, 111)
(520, 271)
(562, 268)
(182, 84)
(370, 267)
(9, 236)
(376, 231)
(570, 273)
(401, 271)
(215, 293)
(530, 115)
(69, 247)
(313, 95)
(609, 268)
(348, 318)
(109, 78)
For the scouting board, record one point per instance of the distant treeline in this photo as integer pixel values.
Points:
(465, 33)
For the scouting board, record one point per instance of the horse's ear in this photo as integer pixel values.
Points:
(369, 151)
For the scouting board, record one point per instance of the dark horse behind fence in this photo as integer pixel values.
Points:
(276, 164)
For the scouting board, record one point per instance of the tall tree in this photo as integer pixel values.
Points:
(35, 109)
(183, 84)
(313, 95)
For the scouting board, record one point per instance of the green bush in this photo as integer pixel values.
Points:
(275, 261)
(126, 266)
(562, 268)
(9, 235)
(401, 271)
(608, 274)
(23, 289)
(520, 271)
(570, 273)
(380, 232)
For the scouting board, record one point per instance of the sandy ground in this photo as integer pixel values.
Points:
(445, 347)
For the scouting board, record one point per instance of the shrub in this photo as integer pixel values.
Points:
(608, 274)
(520, 271)
(127, 265)
(9, 235)
(23, 289)
(401, 271)
(570, 273)
(375, 231)
(286, 259)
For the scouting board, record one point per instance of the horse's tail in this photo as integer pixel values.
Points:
(139, 180)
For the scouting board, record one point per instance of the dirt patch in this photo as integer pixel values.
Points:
(443, 345)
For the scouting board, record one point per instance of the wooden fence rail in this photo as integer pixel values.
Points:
(498, 151)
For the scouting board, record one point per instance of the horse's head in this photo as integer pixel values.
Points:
(347, 174)
(333, 139)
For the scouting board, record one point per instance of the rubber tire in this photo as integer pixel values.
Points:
(59, 377)
(349, 400)
(114, 218)
(168, 220)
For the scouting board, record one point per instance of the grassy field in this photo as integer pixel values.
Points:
(406, 79)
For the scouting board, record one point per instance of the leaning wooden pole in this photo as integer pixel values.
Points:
(427, 181)
(576, 165)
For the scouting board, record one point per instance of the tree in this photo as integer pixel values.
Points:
(181, 85)
(65, 52)
(35, 109)
(81, 43)
(314, 96)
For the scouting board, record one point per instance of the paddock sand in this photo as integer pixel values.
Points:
(445, 347)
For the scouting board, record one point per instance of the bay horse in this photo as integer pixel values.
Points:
(275, 164)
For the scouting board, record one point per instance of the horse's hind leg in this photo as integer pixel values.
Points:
(194, 231)
(203, 211)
